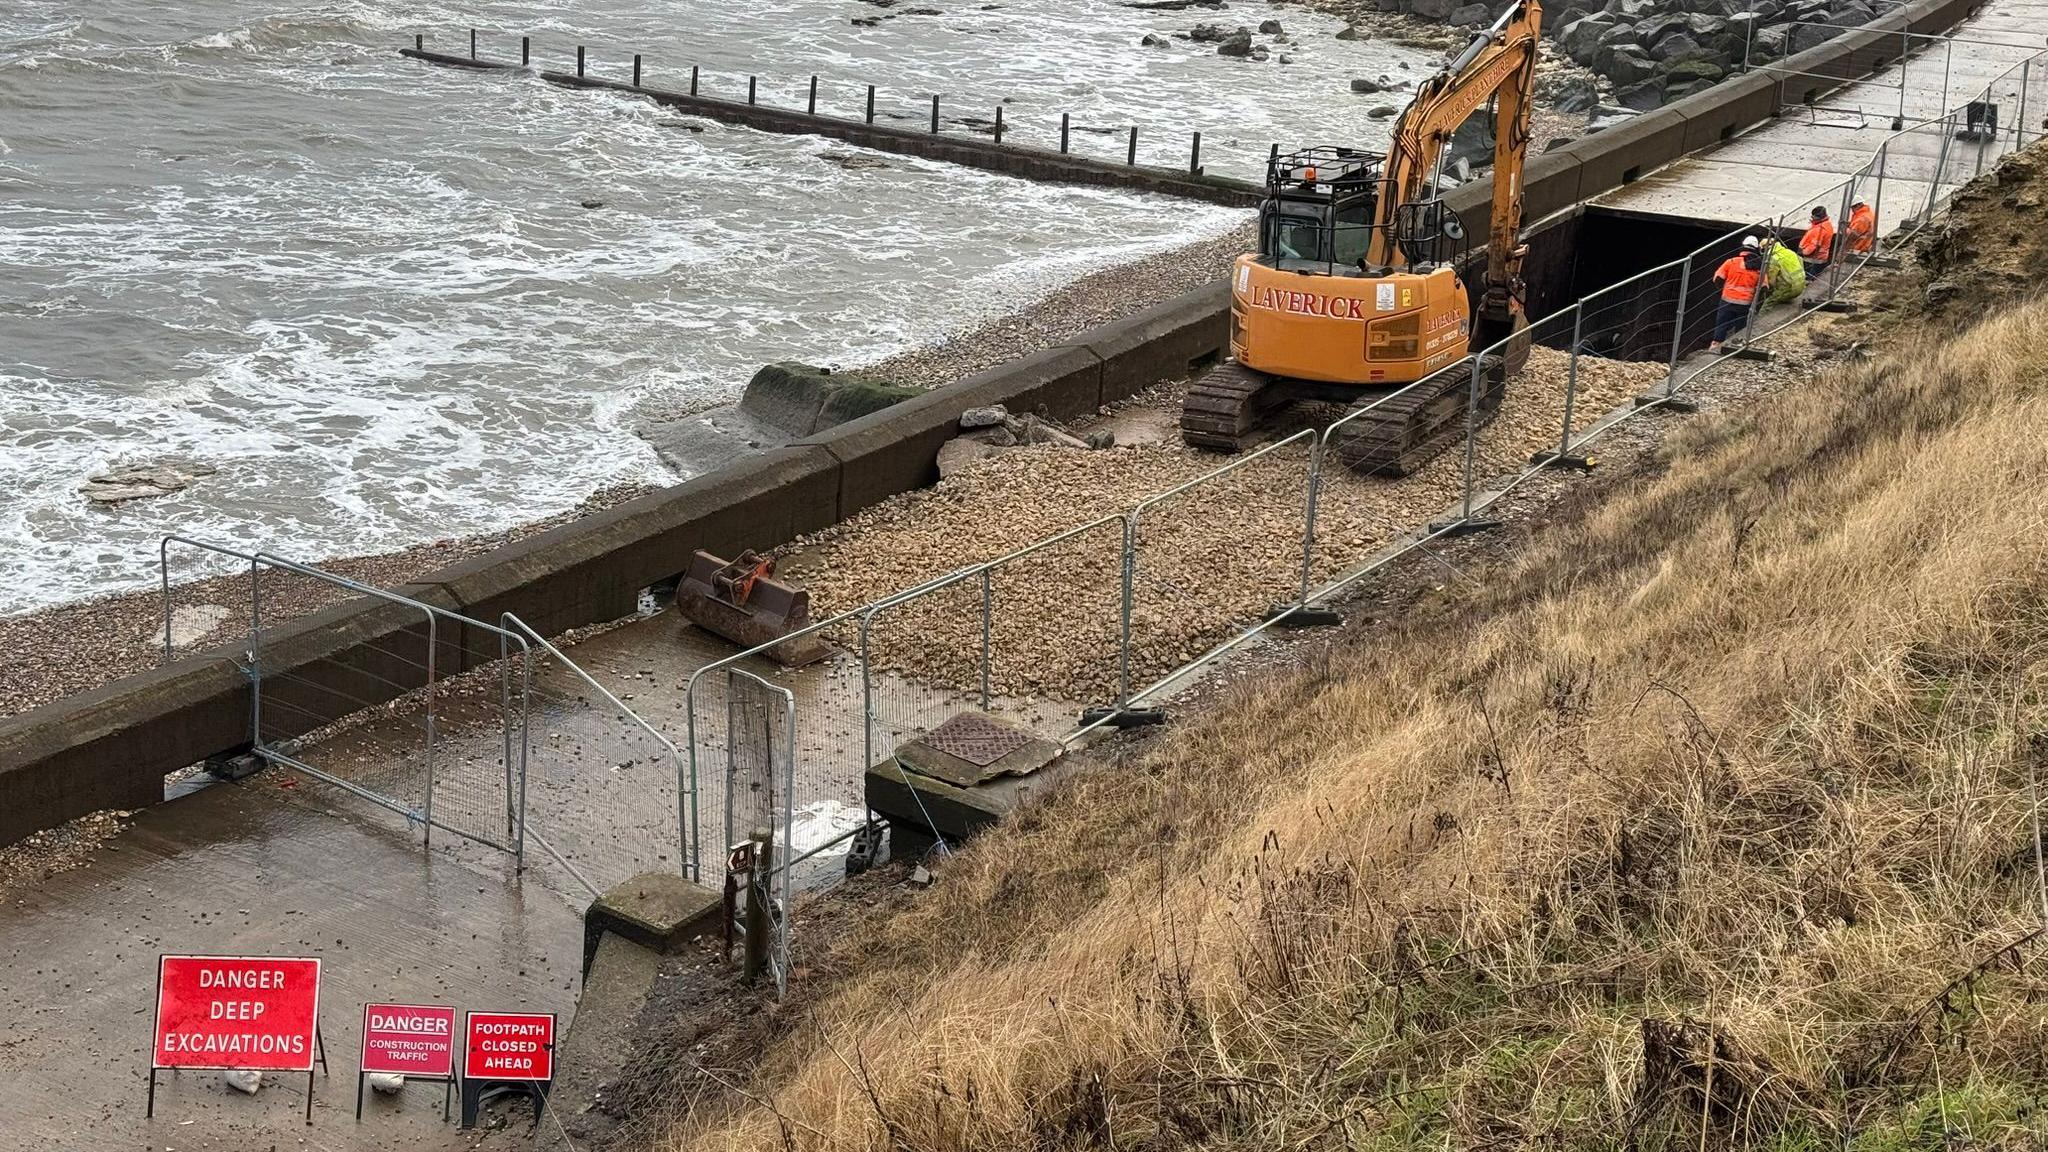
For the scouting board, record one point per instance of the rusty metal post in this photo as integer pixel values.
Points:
(754, 946)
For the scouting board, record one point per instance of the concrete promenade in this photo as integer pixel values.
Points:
(1784, 166)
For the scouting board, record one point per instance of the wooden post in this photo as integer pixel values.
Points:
(636, 69)
(1132, 156)
(472, 43)
(871, 103)
(752, 81)
(526, 51)
(693, 79)
(579, 59)
(935, 113)
(811, 109)
(1066, 122)
(999, 123)
(419, 41)
(1195, 156)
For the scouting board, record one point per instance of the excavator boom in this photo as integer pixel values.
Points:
(1498, 65)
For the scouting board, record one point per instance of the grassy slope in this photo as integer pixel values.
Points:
(1675, 836)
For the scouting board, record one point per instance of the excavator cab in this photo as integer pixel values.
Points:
(1318, 211)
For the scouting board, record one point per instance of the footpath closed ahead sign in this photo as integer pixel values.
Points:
(509, 1046)
(409, 1040)
(251, 1012)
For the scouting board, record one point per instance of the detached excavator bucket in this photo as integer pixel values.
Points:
(743, 602)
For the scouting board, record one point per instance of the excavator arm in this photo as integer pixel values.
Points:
(1499, 65)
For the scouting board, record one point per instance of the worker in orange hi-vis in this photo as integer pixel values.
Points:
(1817, 247)
(1741, 277)
(1862, 228)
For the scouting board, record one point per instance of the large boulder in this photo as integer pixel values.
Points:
(1642, 96)
(1632, 11)
(1691, 75)
(1238, 43)
(1471, 15)
(1604, 58)
(1435, 9)
(1582, 36)
(1677, 46)
(1211, 33)
(1801, 37)
(1630, 65)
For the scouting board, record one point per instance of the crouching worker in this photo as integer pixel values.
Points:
(1740, 278)
(1817, 246)
(1784, 274)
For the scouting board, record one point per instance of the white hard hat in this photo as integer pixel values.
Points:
(1751, 242)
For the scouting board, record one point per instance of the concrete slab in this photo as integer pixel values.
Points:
(656, 911)
(254, 868)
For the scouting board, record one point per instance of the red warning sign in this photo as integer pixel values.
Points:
(409, 1039)
(509, 1046)
(256, 1012)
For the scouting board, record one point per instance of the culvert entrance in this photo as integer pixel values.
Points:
(1626, 267)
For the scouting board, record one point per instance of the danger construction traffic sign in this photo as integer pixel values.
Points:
(409, 1040)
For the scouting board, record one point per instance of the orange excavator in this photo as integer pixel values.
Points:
(1355, 289)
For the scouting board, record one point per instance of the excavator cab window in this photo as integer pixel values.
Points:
(1326, 229)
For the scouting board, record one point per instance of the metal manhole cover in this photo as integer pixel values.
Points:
(976, 739)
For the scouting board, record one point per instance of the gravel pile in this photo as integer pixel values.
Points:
(1208, 560)
(26, 863)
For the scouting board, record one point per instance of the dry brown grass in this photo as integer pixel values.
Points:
(1708, 825)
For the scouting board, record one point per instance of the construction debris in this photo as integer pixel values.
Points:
(986, 430)
(743, 602)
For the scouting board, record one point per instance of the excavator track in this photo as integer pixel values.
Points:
(1226, 403)
(1404, 433)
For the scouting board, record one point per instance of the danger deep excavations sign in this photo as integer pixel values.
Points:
(509, 1046)
(409, 1039)
(257, 1012)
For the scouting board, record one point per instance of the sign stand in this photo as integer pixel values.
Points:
(237, 1014)
(477, 1093)
(506, 1053)
(319, 1046)
(447, 1091)
(416, 1041)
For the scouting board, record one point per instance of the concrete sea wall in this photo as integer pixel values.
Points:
(112, 746)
